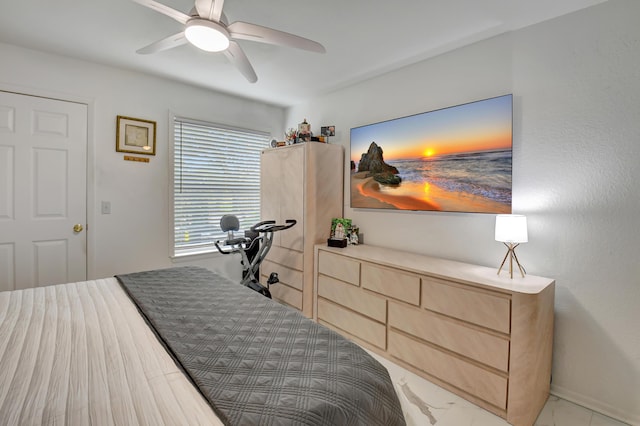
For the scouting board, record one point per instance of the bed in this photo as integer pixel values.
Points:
(179, 346)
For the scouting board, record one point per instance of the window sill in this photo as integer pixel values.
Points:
(194, 255)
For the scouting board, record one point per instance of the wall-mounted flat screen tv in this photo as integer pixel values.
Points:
(455, 159)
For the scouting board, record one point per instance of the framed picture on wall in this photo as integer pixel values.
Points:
(135, 135)
(453, 159)
(328, 130)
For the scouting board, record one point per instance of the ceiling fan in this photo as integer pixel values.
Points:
(206, 27)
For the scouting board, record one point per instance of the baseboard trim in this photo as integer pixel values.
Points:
(595, 405)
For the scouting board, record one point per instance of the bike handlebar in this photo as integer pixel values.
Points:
(262, 227)
(270, 226)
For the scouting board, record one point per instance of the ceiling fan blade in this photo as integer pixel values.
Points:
(210, 9)
(253, 32)
(165, 10)
(204, 7)
(217, 10)
(236, 55)
(170, 42)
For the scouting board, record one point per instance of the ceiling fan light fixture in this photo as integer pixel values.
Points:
(207, 35)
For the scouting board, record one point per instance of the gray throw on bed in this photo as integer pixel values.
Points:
(258, 362)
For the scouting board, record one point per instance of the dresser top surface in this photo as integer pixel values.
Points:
(443, 268)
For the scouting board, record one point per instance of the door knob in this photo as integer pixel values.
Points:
(77, 228)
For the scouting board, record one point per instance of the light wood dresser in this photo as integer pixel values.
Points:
(485, 337)
(301, 182)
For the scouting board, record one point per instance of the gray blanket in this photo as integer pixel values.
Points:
(258, 362)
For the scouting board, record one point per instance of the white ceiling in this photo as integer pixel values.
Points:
(363, 38)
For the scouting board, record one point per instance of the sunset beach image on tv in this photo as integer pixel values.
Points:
(455, 159)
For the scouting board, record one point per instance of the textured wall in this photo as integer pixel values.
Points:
(576, 86)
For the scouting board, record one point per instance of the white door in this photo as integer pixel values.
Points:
(43, 146)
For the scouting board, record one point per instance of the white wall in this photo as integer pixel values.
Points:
(576, 87)
(135, 236)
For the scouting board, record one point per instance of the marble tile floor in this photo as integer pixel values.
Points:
(425, 404)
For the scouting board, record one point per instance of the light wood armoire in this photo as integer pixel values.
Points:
(302, 182)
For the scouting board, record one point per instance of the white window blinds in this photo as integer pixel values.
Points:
(216, 171)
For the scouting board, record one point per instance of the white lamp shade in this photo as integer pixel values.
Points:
(207, 35)
(511, 228)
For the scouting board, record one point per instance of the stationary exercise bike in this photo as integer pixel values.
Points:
(263, 240)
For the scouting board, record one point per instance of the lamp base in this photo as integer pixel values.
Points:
(511, 254)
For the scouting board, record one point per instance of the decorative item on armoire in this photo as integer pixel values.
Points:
(304, 131)
(290, 136)
(511, 230)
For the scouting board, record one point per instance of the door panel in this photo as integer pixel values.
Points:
(282, 193)
(50, 261)
(50, 184)
(270, 189)
(43, 145)
(292, 197)
(6, 181)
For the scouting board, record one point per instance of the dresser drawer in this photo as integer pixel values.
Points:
(353, 298)
(287, 257)
(392, 283)
(466, 376)
(339, 267)
(355, 324)
(287, 295)
(291, 277)
(483, 347)
(485, 308)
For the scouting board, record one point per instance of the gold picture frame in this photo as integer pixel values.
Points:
(135, 136)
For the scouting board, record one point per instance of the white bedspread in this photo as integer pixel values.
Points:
(80, 354)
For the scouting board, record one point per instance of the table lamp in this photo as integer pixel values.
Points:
(511, 230)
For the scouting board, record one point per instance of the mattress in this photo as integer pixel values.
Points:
(81, 354)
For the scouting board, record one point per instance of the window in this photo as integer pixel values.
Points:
(216, 171)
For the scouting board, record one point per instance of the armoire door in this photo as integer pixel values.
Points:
(43, 190)
(282, 182)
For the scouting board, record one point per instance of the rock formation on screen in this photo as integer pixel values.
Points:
(373, 162)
